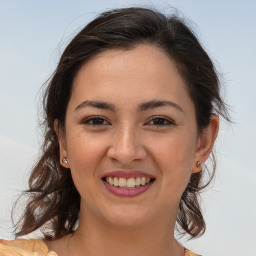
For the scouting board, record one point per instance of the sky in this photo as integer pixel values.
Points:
(34, 33)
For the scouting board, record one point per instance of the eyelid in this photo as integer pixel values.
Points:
(171, 121)
(86, 121)
(91, 118)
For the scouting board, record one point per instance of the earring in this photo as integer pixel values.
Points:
(198, 163)
(64, 160)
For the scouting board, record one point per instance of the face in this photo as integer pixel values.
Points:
(130, 121)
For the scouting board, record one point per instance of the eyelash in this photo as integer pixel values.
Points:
(164, 121)
(167, 121)
(93, 119)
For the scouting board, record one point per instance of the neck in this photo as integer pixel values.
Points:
(95, 238)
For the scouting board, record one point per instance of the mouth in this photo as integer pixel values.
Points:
(130, 183)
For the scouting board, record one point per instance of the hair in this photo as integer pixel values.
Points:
(53, 198)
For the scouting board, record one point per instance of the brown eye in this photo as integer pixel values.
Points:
(95, 121)
(160, 121)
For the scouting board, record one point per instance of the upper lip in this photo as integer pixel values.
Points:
(127, 174)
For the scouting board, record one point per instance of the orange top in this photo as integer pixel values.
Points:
(28, 247)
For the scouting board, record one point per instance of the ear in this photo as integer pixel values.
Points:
(62, 144)
(205, 143)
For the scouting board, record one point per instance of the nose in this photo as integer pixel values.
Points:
(126, 146)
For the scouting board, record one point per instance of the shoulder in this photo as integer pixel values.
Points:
(27, 247)
(24, 247)
(190, 253)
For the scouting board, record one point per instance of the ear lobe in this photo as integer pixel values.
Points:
(62, 144)
(206, 143)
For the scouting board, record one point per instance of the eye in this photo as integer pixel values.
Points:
(95, 121)
(160, 121)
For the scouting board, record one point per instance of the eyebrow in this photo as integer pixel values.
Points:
(142, 107)
(96, 104)
(159, 103)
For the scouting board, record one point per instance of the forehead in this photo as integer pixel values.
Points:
(143, 73)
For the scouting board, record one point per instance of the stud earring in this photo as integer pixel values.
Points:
(64, 160)
(198, 163)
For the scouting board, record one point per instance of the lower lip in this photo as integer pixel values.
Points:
(124, 192)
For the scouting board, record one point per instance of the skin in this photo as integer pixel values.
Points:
(161, 141)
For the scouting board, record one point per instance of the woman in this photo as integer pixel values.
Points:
(131, 115)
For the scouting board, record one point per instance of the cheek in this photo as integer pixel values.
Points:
(175, 151)
(83, 150)
(85, 155)
(174, 158)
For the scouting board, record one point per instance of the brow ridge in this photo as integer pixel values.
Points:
(158, 103)
(142, 107)
(96, 104)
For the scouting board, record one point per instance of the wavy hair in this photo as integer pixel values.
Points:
(53, 198)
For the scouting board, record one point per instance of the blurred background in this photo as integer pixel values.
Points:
(33, 34)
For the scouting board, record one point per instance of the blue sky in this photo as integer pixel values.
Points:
(32, 37)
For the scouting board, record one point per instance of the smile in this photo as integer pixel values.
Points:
(129, 183)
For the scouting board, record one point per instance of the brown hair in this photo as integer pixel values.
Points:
(53, 198)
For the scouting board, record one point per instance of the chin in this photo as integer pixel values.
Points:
(128, 217)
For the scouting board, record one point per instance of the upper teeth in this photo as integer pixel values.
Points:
(127, 183)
